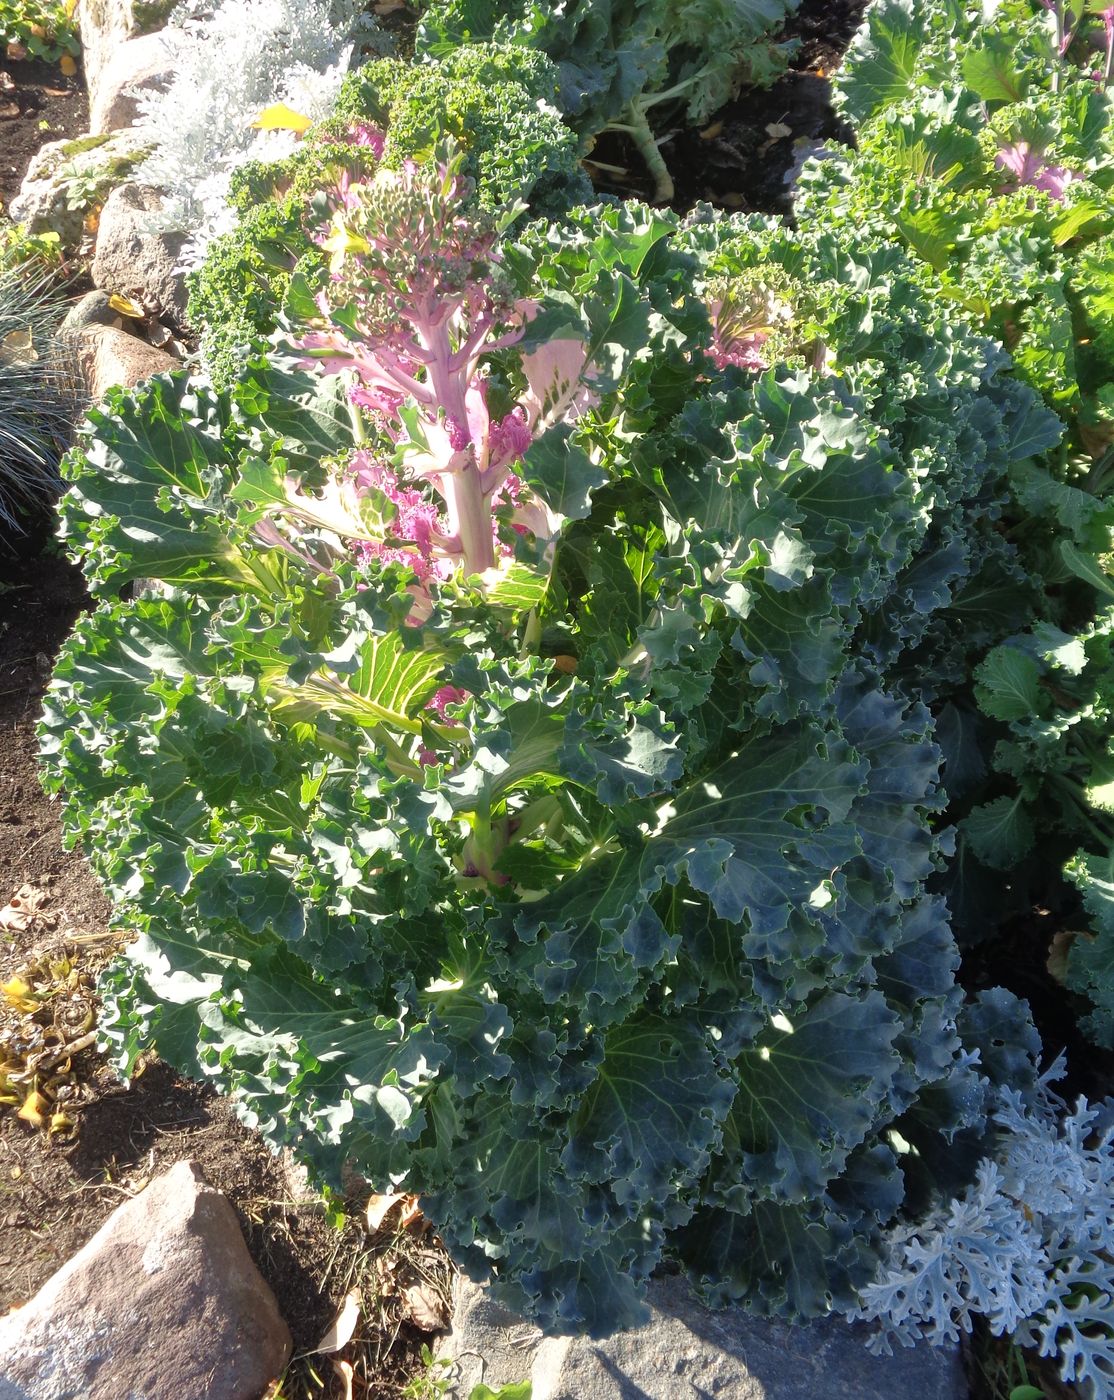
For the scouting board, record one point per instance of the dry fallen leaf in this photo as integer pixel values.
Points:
(6, 84)
(1058, 951)
(125, 306)
(344, 1324)
(19, 995)
(411, 1213)
(280, 117)
(425, 1307)
(778, 130)
(17, 348)
(16, 51)
(344, 1371)
(26, 903)
(711, 132)
(34, 1110)
(379, 1207)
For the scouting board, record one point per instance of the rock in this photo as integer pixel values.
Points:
(69, 179)
(111, 357)
(687, 1352)
(137, 261)
(92, 310)
(105, 26)
(163, 1303)
(137, 65)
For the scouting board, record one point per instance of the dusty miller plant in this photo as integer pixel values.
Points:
(1027, 1245)
(230, 64)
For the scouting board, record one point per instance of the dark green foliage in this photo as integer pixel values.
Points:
(497, 103)
(708, 1004)
(621, 60)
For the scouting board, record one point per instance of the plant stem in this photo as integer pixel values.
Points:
(645, 140)
(469, 517)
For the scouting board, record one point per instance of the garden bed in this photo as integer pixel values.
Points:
(57, 1187)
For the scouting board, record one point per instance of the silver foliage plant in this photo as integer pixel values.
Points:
(1027, 1245)
(232, 62)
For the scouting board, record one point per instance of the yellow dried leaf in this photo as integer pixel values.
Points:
(343, 1325)
(67, 65)
(20, 994)
(71, 8)
(280, 117)
(60, 1122)
(17, 348)
(125, 306)
(35, 1109)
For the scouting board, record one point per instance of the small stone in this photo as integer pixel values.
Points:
(142, 64)
(137, 261)
(164, 1302)
(110, 357)
(687, 1351)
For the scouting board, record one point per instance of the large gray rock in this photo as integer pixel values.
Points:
(136, 260)
(163, 1303)
(68, 180)
(138, 65)
(109, 357)
(107, 24)
(687, 1352)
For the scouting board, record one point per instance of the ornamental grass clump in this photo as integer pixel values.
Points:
(37, 395)
(510, 793)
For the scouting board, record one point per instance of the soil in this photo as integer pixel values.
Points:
(41, 105)
(743, 158)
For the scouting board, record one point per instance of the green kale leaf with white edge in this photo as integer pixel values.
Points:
(619, 60)
(497, 770)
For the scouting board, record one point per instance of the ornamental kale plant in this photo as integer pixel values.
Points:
(511, 791)
(493, 102)
(620, 60)
(985, 148)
